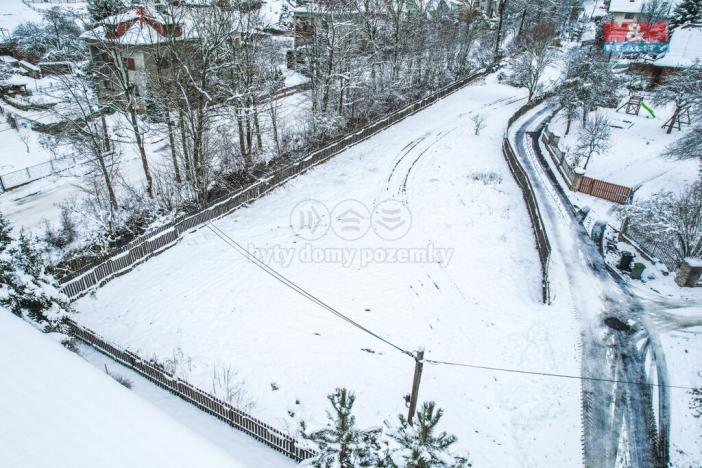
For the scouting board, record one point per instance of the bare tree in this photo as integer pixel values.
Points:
(536, 55)
(85, 130)
(672, 218)
(593, 140)
(478, 123)
(685, 90)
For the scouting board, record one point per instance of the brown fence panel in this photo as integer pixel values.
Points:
(606, 190)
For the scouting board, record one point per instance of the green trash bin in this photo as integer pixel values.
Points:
(637, 270)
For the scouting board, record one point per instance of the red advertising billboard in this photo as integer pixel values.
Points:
(636, 37)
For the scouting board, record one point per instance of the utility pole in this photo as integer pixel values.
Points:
(418, 365)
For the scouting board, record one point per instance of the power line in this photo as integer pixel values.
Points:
(551, 374)
(278, 276)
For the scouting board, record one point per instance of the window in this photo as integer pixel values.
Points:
(629, 16)
(130, 64)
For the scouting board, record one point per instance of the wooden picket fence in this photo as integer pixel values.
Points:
(122, 260)
(236, 418)
(606, 190)
(543, 246)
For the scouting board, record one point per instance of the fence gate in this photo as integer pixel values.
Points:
(608, 191)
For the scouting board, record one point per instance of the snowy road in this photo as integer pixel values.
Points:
(619, 420)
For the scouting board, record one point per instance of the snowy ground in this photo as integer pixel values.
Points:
(683, 350)
(678, 173)
(635, 158)
(57, 410)
(15, 12)
(203, 305)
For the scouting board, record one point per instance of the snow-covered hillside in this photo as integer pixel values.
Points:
(57, 410)
(202, 306)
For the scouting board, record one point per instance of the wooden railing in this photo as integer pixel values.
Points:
(543, 246)
(222, 410)
(127, 257)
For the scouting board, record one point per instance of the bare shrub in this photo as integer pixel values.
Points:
(485, 177)
(227, 387)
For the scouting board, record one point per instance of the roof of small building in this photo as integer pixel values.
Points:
(685, 47)
(136, 26)
(626, 6)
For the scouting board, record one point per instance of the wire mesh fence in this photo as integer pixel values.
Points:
(29, 174)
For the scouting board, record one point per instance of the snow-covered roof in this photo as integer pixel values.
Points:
(59, 410)
(136, 26)
(626, 6)
(8, 59)
(685, 47)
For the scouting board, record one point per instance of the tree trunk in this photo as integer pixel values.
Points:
(567, 130)
(171, 140)
(501, 11)
(184, 143)
(257, 128)
(142, 152)
(672, 120)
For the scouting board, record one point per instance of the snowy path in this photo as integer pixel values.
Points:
(204, 307)
(619, 425)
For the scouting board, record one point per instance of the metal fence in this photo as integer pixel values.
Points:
(29, 174)
(222, 410)
(119, 261)
(543, 246)
(654, 247)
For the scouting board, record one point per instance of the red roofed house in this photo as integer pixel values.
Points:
(128, 43)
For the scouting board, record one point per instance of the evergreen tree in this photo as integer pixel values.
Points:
(688, 11)
(420, 446)
(101, 9)
(341, 444)
(26, 289)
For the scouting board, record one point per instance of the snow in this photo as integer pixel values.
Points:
(685, 47)
(635, 158)
(626, 6)
(694, 262)
(15, 12)
(28, 206)
(86, 420)
(204, 302)
(683, 351)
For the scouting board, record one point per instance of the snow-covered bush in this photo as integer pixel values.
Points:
(340, 443)
(421, 445)
(26, 289)
(672, 218)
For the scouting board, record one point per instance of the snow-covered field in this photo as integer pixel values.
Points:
(473, 298)
(57, 410)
